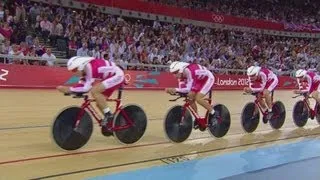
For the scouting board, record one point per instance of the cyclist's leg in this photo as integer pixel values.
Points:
(105, 89)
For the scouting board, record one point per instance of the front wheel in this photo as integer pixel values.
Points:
(63, 130)
(300, 114)
(250, 117)
(178, 125)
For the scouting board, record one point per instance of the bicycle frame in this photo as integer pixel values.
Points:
(86, 105)
(202, 121)
(311, 111)
(258, 99)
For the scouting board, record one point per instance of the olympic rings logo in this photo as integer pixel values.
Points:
(217, 18)
(127, 78)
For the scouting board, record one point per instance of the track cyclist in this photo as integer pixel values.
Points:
(90, 69)
(262, 81)
(308, 82)
(197, 81)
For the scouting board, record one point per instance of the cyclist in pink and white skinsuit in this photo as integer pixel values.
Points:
(309, 82)
(263, 81)
(197, 81)
(90, 69)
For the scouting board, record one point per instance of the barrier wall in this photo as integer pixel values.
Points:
(21, 76)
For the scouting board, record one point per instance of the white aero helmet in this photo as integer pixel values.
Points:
(300, 73)
(178, 66)
(78, 62)
(253, 70)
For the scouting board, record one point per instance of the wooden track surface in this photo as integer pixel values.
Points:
(28, 151)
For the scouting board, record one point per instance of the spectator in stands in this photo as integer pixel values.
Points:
(32, 53)
(49, 57)
(96, 52)
(19, 31)
(73, 47)
(2, 46)
(34, 11)
(29, 40)
(6, 48)
(20, 11)
(8, 17)
(121, 62)
(24, 48)
(39, 49)
(83, 51)
(46, 27)
(15, 52)
(56, 32)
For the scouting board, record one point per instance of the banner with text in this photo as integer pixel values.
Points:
(156, 8)
(20, 76)
(206, 16)
(234, 82)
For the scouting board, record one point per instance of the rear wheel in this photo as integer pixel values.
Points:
(135, 132)
(279, 115)
(222, 127)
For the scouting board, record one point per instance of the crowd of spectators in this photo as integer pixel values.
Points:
(123, 40)
(15, 37)
(284, 11)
